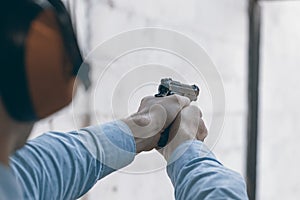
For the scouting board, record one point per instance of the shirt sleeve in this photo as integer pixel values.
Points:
(66, 165)
(196, 174)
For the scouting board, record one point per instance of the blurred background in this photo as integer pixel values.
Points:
(221, 27)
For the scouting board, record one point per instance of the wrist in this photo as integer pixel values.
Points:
(181, 137)
(138, 123)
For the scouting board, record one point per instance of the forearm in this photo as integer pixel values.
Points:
(196, 174)
(65, 166)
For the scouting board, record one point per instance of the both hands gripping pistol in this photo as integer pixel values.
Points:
(169, 87)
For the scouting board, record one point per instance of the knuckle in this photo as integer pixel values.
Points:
(173, 98)
(176, 96)
(192, 110)
(202, 131)
(203, 127)
(180, 99)
(193, 107)
(146, 99)
(200, 113)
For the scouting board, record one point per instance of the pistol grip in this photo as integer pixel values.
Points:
(163, 140)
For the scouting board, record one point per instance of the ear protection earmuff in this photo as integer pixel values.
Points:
(40, 58)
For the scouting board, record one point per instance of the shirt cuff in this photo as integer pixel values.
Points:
(112, 144)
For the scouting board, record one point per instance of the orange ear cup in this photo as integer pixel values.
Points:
(48, 67)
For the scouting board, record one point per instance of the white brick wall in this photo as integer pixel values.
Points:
(279, 125)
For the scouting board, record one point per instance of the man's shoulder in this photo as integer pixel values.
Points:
(9, 187)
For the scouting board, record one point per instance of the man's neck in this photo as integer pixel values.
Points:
(6, 144)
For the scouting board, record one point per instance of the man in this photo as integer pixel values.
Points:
(36, 81)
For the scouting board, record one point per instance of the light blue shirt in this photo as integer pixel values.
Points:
(197, 174)
(66, 165)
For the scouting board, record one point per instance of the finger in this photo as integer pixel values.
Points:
(200, 113)
(192, 111)
(144, 101)
(181, 100)
(192, 119)
(202, 131)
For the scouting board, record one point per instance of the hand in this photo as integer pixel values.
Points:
(188, 125)
(153, 116)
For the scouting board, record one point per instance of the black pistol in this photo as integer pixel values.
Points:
(169, 87)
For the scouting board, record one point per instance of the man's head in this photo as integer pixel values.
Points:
(40, 59)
